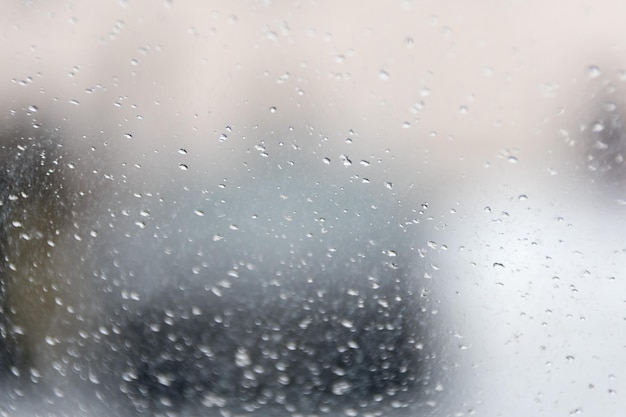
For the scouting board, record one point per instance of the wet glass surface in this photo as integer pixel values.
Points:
(312, 209)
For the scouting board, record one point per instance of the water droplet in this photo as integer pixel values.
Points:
(341, 387)
(32, 108)
(183, 167)
(597, 127)
(93, 378)
(242, 358)
(383, 75)
(593, 71)
(273, 109)
(283, 78)
(128, 136)
(199, 213)
(417, 107)
(182, 151)
(389, 185)
(305, 323)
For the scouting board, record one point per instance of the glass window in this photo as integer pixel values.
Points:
(312, 209)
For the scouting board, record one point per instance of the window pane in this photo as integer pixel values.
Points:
(311, 208)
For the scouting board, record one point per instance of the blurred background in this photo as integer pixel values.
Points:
(491, 133)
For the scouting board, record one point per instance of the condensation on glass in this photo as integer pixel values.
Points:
(312, 209)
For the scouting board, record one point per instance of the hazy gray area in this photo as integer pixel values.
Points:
(312, 209)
